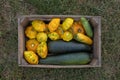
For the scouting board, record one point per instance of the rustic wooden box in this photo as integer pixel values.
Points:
(95, 22)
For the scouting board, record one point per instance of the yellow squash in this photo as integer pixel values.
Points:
(30, 32)
(46, 30)
(83, 38)
(39, 25)
(31, 57)
(77, 28)
(53, 36)
(41, 37)
(60, 31)
(53, 25)
(31, 45)
(67, 23)
(42, 50)
(67, 36)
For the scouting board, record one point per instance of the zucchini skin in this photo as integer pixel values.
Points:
(60, 47)
(86, 26)
(79, 58)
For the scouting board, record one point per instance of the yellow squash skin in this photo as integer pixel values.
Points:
(67, 23)
(60, 31)
(53, 36)
(39, 25)
(53, 25)
(83, 38)
(67, 36)
(31, 45)
(77, 28)
(42, 50)
(30, 32)
(46, 30)
(41, 37)
(31, 57)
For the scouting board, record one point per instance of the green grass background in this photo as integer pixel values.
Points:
(109, 10)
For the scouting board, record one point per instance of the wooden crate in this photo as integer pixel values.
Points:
(95, 22)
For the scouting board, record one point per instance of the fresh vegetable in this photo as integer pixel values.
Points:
(31, 45)
(83, 38)
(38, 25)
(53, 36)
(31, 57)
(67, 36)
(53, 25)
(77, 28)
(70, 42)
(60, 31)
(42, 50)
(86, 26)
(60, 46)
(41, 37)
(30, 32)
(46, 30)
(68, 59)
(67, 23)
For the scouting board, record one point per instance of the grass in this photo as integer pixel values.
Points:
(109, 10)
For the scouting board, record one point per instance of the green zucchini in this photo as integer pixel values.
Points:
(79, 58)
(86, 26)
(60, 46)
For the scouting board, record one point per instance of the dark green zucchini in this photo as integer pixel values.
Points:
(60, 46)
(67, 59)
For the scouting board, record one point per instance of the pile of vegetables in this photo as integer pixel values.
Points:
(59, 42)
